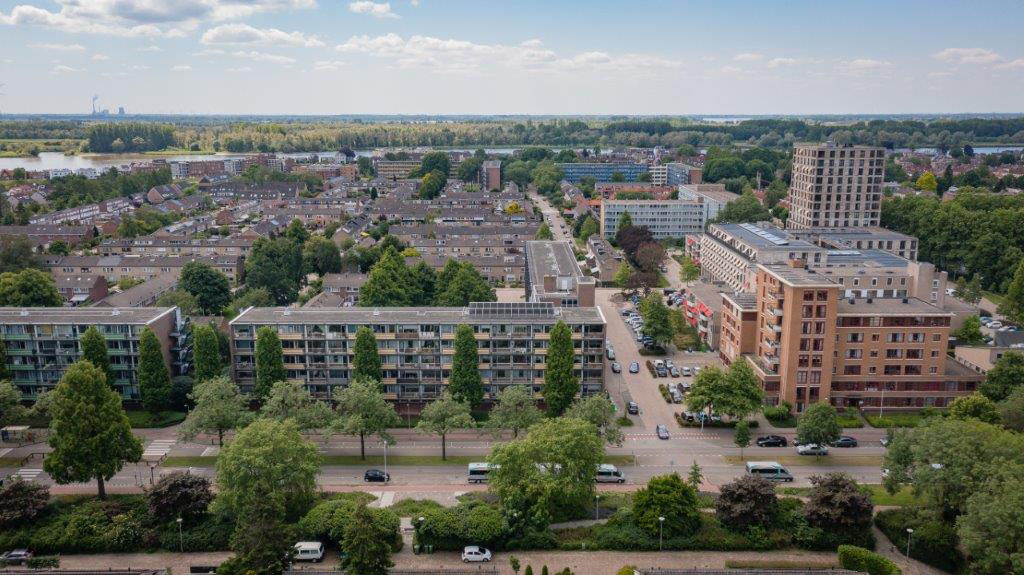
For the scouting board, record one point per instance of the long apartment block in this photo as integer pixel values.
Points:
(809, 343)
(42, 342)
(416, 345)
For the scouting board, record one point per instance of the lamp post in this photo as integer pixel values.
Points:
(910, 535)
(387, 478)
(661, 532)
(881, 403)
(597, 506)
(181, 538)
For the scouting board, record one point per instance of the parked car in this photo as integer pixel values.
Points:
(812, 449)
(474, 554)
(616, 367)
(309, 551)
(632, 408)
(610, 352)
(771, 441)
(884, 441)
(669, 363)
(686, 371)
(995, 324)
(845, 441)
(376, 476)
(16, 557)
(662, 431)
(674, 371)
(676, 396)
(634, 367)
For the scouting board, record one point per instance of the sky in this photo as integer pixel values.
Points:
(519, 57)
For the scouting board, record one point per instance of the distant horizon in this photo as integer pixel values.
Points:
(500, 116)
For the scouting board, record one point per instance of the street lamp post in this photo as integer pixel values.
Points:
(661, 532)
(597, 507)
(181, 538)
(881, 403)
(910, 535)
(387, 478)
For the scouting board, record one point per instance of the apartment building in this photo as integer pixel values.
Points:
(667, 219)
(604, 260)
(490, 175)
(836, 186)
(392, 170)
(554, 276)
(813, 345)
(575, 172)
(702, 309)
(230, 190)
(80, 289)
(146, 293)
(713, 197)
(497, 269)
(46, 234)
(346, 285)
(417, 345)
(116, 268)
(177, 245)
(738, 324)
(42, 342)
(864, 238)
(678, 174)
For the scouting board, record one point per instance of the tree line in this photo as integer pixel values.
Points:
(118, 137)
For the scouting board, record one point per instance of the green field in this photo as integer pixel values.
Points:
(894, 420)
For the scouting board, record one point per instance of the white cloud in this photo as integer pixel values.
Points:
(731, 71)
(414, 3)
(748, 57)
(375, 9)
(1018, 63)
(141, 18)
(242, 34)
(452, 55)
(861, 65)
(967, 56)
(59, 47)
(182, 68)
(240, 69)
(62, 69)
(100, 57)
(781, 62)
(150, 48)
(263, 57)
(209, 52)
(327, 65)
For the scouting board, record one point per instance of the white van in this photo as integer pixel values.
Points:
(309, 551)
(478, 472)
(769, 470)
(607, 473)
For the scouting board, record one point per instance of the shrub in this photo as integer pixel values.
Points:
(210, 532)
(179, 495)
(327, 520)
(626, 570)
(670, 497)
(747, 501)
(781, 411)
(22, 501)
(453, 528)
(837, 504)
(44, 562)
(864, 561)
(934, 543)
(664, 393)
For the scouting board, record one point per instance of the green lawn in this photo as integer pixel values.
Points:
(894, 420)
(144, 419)
(375, 460)
(798, 460)
(845, 421)
(993, 297)
(879, 496)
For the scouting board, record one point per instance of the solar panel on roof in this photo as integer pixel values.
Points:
(511, 309)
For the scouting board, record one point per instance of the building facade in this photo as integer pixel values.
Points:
(836, 186)
(667, 219)
(601, 171)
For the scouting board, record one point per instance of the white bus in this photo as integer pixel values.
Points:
(478, 472)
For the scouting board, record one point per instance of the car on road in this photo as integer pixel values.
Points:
(632, 408)
(616, 367)
(812, 449)
(309, 551)
(771, 441)
(634, 367)
(769, 470)
(16, 557)
(376, 476)
(662, 431)
(474, 554)
(845, 441)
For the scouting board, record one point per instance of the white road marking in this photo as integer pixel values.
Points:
(28, 474)
(211, 451)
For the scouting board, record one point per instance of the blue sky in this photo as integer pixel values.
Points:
(523, 57)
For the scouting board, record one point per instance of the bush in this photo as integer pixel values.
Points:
(836, 503)
(208, 533)
(934, 543)
(22, 501)
(44, 562)
(327, 520)
(683, 422)
(179, 495)
(624, 421)
(414, 507)
(670, 497)
(747, 501)
(664, 393)
(864, 561)
(453, 528)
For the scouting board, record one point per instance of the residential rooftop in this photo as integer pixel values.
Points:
(517, 312)
(82, 315)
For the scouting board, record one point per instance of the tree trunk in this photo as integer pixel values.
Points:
(220, 437)
(444, 453)
(362, 446)
(101, 488)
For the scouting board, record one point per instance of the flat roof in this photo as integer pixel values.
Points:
(369, 315)
(82, 315)
(890, 306)
(765, 236)
(743, 300)
(798, 276)
(550, 258)
(865, 258)
(866, 232)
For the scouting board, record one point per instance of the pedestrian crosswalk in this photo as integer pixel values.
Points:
(27, 473)
(5, 451)
(158, 449)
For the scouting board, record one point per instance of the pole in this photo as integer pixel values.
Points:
(881, 404)
(910, 535)
(181, 538)
(661, 531)
(597, 507)
(386, 476)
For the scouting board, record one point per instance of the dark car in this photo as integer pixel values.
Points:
(632, 408)
(845, 441)
(771, 441)
(376, 476)
(662, 431)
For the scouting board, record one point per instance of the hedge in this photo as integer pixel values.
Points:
(934, 542)
(864, 561)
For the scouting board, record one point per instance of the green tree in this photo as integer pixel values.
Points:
(29, 288)
(836, 504)
(975, 405)
(366, 544)
(544, 233)
(17, 253)
(268, 463)
(205, 352)
(365, 358)
(927, 182)
(970, 332)
(388, 283)
(219, 408)
(735, 393)
(1012, 305)
(696, 476)
(990, 529)
(469, 169)
(588, 229)
(465, 383)
(435, 161)
(209, 286)
(154, 379)
(670, 497)
(269, 362)
(465, 287)
(560, 382)
(514, 410)
(688, 271)
(599, 411)
(424, 282)
(58, 247)
(1006, 376)
(366, 168)
(11, 410)
(741, 436)
(94, 349)
(297, 232)
(90, 435)
(431, 185)
(185, 301)
(1011, 410)
(818, 424)
(321, 256)
(657, 325)
(747, 501)
(275, 266)
(290, 400)
(442, 416)
(363, 411)
(623, 276)
(747, 208)
(625, 221)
